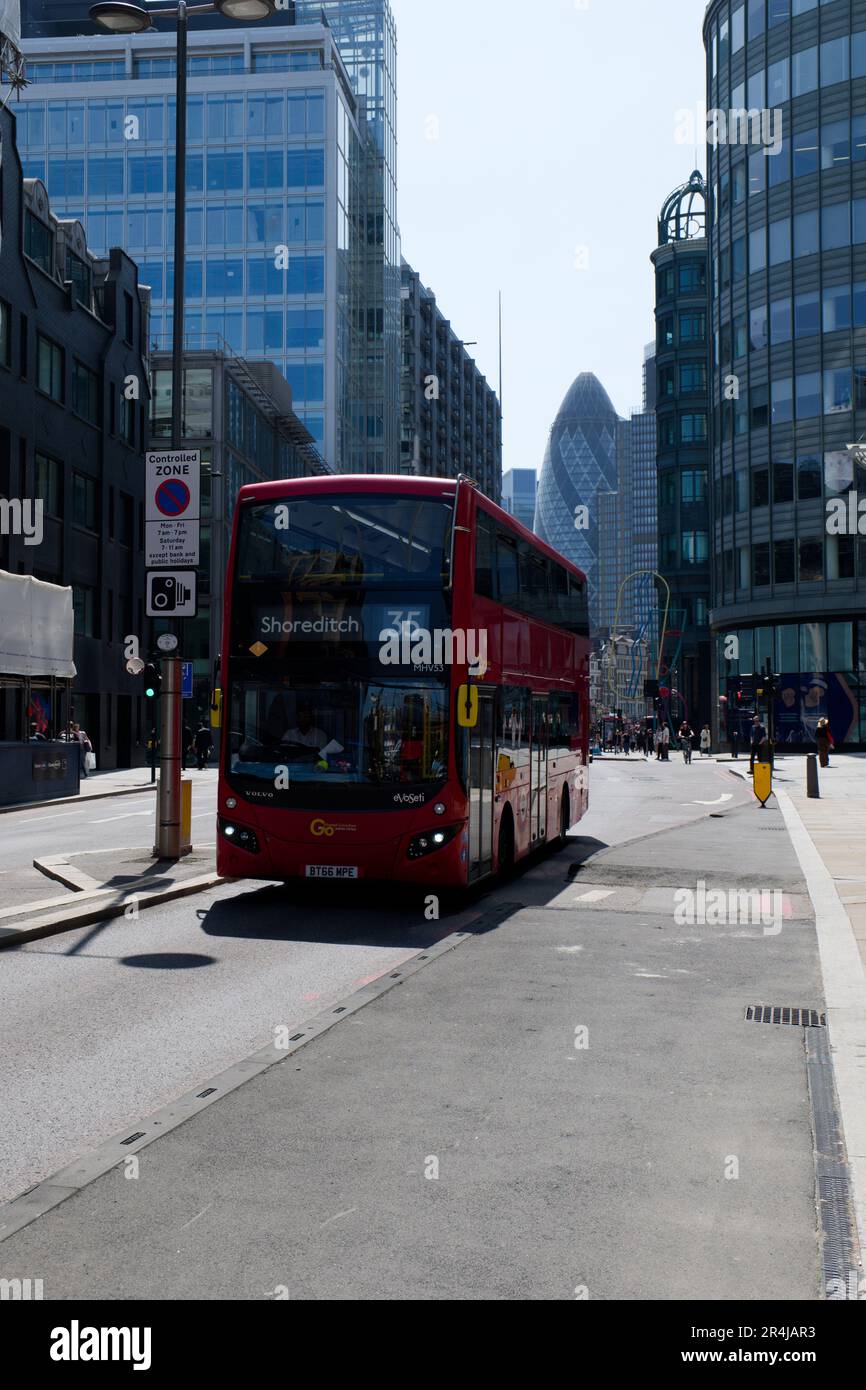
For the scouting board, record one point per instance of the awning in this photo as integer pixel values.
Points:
(36, 628)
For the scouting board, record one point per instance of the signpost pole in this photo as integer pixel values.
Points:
(168, 809)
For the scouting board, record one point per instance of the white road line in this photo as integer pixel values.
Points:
(845, 993)
(130, 815)
(596, 895)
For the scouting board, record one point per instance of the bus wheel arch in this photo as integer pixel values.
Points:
(506, 850)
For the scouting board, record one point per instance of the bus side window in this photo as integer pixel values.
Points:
(508, 572)
(578, 616)
(558, 595)
(485, 556)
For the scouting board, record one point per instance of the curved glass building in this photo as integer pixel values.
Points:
(579, 463)
(786, 86)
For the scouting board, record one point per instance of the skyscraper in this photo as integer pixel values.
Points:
(787, 249)
(519, 488)
(291, 191)
(579, 464)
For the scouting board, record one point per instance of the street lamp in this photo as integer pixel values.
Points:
(119, 17)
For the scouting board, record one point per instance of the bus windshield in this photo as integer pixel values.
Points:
(361, 732)
(373, 540)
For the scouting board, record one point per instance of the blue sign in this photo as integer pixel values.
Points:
(186, 679)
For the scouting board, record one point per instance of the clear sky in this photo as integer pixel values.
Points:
(557, 130)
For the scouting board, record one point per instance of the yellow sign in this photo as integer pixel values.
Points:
(467, 706)
(763, 782)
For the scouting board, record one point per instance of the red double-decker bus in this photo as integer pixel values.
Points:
(405, 685)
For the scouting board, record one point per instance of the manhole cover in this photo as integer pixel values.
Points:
(784, 1013)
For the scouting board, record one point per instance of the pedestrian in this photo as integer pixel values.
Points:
(203, 746)
(188, 749)
(735, 742)
(84, 747)
(659, 741)
(686, 735)
(706, 741)
(626, 743)
(824, 740)
(759, 733)
(666, 743)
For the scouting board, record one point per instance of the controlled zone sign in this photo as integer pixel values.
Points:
(173, 500)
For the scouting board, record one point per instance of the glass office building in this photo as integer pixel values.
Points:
(579, 463)
(293, 252)
(787, 240)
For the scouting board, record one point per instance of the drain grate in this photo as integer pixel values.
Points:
(783, 1013)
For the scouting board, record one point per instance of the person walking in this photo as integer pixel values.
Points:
(84, 747)
(686, 735)
(706, 741)
(203, 746)
(735, 742)
(666, 743)
(659, 743)
(759, 733)
(824, 741)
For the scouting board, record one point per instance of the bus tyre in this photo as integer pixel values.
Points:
(564, 819)
(506, 845)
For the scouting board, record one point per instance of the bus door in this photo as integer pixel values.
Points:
(538, 771)
(481, 769)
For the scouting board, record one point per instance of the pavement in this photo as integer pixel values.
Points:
(557, 1094)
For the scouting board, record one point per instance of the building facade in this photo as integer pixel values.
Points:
(580, 463)
(519, 489)
(73, 418)
(682, 413)
(239, 415)
(452, 420)
(787, 244)
(293, 252)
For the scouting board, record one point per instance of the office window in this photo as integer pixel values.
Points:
(695, 547)
(693, 429)
(837, 308)
(666, 329)
(780, 241)
(809, 478)
(784, 563)
(694, 485)
(807, 314)
(49, 484)
(39, 242)
(858, 54)
(667, 489)
(805, 71)
(84, 610)
(757, 250)
(741, 490)
(778, 83)
(760, 487)
(811, 564)
(805, 152)
(84, 502)
(693, 378)
(835, 61)
(741, 337)
(126, 421)
(836, 226)
(5, 334)
(758, 327)
(781, 393)
(693, 277)
(835, 144)
(85, 392)
(780, 321)
(759, 407)
(806, 235)
(761, 564)
(783, 480)
(837, 390)
(808, 386)
(49, 375)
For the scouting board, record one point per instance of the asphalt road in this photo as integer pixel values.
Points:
(103, 1025)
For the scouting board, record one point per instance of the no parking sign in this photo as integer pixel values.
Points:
(173, 492)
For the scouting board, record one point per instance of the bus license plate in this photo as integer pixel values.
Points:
(331, 871)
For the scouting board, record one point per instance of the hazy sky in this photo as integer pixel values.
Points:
(556, 131)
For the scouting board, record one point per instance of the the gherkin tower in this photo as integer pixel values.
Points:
(579, 463)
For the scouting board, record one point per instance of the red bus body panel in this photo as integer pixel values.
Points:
(521, 652)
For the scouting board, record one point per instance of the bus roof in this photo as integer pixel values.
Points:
(397, 484)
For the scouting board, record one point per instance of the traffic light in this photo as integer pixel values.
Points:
(152, 681)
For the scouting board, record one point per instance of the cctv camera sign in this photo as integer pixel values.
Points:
(173, 491)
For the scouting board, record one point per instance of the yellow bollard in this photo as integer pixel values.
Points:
(186, 815)
(763, 782)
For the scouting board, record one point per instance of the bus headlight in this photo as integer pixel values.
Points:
(430, 840)
(239, 835)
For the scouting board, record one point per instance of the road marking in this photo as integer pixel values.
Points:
(595, 895)
(726, 796)
(196, 1218)
(338, 1217)
(130, 815)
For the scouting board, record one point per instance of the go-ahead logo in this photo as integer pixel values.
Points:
(321, 828)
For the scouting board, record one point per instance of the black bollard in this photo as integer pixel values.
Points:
(812, 789)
